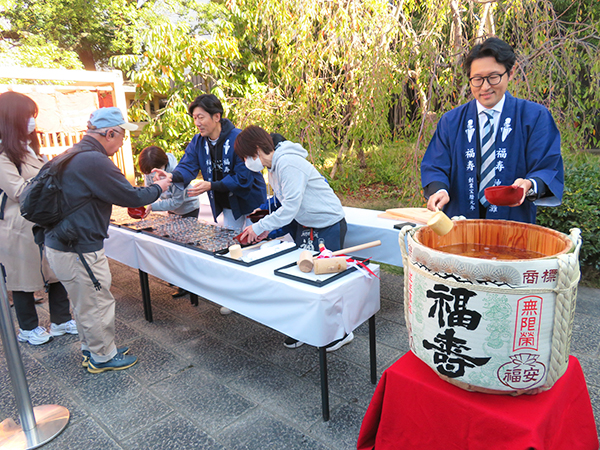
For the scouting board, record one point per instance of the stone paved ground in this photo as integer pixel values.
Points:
(206, 381)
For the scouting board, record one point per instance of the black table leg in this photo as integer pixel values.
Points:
(324, 383)
(193, 299)
(372, 350)
(146, 295)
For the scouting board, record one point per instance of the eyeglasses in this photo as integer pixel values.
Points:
(492, 80)
(125, 136)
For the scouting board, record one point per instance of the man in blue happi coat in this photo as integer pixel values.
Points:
(232, 189)
(495, 139)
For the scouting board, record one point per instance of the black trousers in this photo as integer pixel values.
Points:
(58, 301)
(332, 236)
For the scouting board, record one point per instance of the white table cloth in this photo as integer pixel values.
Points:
(365, 226)
(314, 315)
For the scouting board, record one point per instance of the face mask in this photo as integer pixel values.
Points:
(254, 164)
(31, 125)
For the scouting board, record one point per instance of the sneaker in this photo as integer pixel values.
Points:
(86, 355)
(225, 311)
(69, 327)
(37, 336)
(179, 293)
(339, 343)
(119, 362)
(292, 343)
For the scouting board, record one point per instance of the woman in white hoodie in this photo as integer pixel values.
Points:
(307, 200)
(308, 204)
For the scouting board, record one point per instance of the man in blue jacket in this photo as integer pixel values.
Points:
(495, 139)
(233, 190)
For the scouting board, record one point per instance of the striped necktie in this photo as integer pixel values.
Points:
(488, 158)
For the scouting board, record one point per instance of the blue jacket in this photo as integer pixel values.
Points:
(527, 145)
(247, 189)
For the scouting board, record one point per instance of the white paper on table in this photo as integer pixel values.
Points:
(267, 249)
(295, 271)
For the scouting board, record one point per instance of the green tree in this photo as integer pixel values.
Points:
(329, 70)
(34, 51)
(178, 62)
(343, 76)
(93, 29)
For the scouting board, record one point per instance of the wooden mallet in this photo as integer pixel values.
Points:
(308, 262)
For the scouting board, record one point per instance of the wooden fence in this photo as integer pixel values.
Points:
(53, 144)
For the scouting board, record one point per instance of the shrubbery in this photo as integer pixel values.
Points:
(393, 166)
(580, 207)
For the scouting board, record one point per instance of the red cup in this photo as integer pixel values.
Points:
(503, 195)
(136, 213)
(255, 217)
(240, 240)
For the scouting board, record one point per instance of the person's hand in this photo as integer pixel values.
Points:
(164, 183)
(526, 185)
(160, 174)
(251, 236)
(198, 188)
(262, 236)
(148, 211)
(162, 178)
(438, 200)
(248, 235)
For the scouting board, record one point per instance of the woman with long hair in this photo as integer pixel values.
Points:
(20, 161)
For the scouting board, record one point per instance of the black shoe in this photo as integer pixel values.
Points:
(292, 343)
(179, 293)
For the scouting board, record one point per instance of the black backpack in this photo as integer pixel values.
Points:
(42, 202)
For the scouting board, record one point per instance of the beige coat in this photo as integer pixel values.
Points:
(18, 252)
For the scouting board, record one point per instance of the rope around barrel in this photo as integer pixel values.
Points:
(564, 309)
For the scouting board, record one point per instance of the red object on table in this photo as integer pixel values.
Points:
(412, 408)
(243, 241)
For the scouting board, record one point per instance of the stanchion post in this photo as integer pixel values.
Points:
(13, 360)
(40, 424)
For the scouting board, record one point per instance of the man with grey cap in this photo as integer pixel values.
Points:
(92, 183)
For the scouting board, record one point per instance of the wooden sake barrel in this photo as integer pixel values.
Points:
(489, 306)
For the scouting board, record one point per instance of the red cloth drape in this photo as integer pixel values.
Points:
(412, 408)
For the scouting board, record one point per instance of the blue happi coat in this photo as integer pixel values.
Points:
(247, 189)
(527, 145)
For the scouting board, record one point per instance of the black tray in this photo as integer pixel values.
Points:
(328, 278)
(149, 232)
(221, 255)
